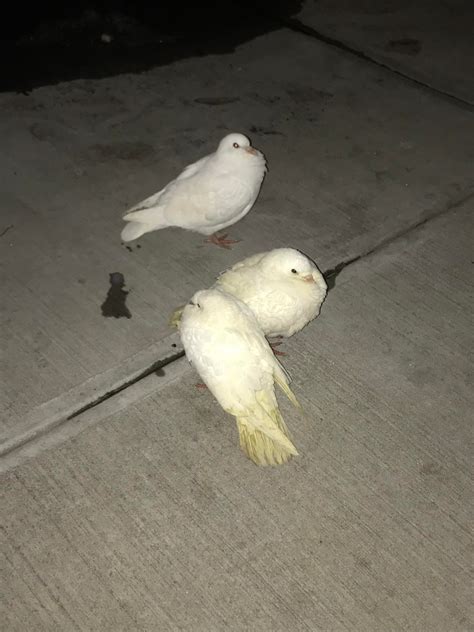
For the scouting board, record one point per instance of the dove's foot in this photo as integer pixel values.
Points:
(221, 241)
(200, 385)
(275, 351)
(274, 344)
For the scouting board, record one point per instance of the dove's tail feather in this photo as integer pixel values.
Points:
(263, 433)
(175, 317)
(153, 200)
(142, 221)
(261, 448)
(152, 216)
(133, 230)
(283, 384)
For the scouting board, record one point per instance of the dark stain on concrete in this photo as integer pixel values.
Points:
(126, 150)
(216, 100)
(265, 131)
(405, 46)
(429, 468)
(114, 305)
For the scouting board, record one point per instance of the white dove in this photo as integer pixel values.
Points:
(209, 195)
(282, 287)
(224, 342)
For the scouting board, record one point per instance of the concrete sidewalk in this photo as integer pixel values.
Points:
(126, 503)
(431, 42)
(355, 156)
(153, 519)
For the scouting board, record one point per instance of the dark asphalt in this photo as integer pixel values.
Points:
(53, 43)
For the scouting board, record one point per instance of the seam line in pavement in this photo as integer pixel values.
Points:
(331, 274)
(155, 367)
(297, 26)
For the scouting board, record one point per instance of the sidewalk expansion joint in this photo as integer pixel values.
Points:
(331, 274)
(44, 430)
(297, 26)
(154, 368)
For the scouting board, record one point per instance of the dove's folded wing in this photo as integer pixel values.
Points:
(149, 202)
(193, 168)
(162, 197)
(251, 399)
(225, 194)
(248, 262)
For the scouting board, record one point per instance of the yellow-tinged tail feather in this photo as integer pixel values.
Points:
(287, 390)
(175, 317)
(263, 433)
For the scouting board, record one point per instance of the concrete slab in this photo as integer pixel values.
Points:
(430, 42)
(355, 156)
(152, 519)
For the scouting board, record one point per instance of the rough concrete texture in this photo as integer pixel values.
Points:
(141, 513)
(355, 154)
(430, 42)
(153, 519)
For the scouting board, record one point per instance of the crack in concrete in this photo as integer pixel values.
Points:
(330, 275)
(156, 367)
(297, 26)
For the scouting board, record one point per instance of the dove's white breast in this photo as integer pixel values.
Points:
(281, 307)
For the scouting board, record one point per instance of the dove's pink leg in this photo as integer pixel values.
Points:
(221, 241)
(200, 385)
(277, 344)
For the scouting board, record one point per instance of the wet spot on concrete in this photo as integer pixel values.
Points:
(380, 175)
(430, 468)
(114, 305)
(265, 131)
(216, 100)
(122, 151)
(405, 46)
(130, 248)
(362, 562)
(305, 94)
(160, 372)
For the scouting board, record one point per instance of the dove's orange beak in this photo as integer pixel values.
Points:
(251, 150)
(308, 278)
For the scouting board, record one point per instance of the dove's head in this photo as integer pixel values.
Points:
(236, 145)
(291, 264)
(216, 307)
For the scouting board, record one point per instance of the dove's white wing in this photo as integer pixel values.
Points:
(159, 198)
(248, 262)
(229, 197)
(193, 168)
(239, 368)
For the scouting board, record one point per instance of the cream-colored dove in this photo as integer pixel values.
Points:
(225, 344)
(283, 288)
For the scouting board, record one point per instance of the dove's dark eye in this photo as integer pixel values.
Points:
(294, 271)
(236, 145)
